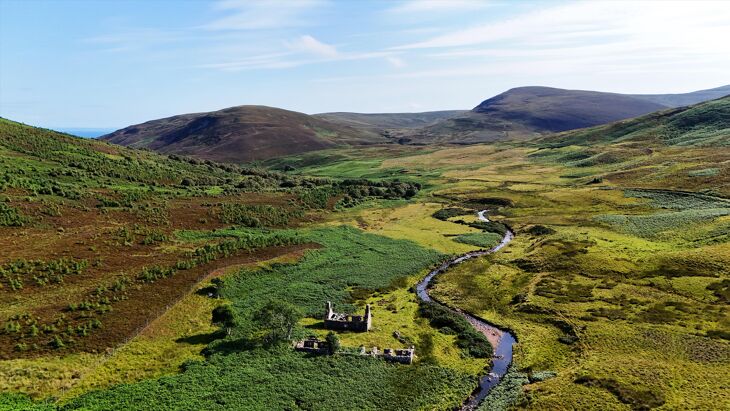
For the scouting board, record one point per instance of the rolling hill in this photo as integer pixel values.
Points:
(702, 125)
(249, 133)
(527, 112)
(239, 134)
(685, 99)
(380, 122)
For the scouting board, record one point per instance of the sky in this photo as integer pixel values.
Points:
(112, 63)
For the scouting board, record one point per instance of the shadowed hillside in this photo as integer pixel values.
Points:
(239, 134)
(526, 112)
(382, 121)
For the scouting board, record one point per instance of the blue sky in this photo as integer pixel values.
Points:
(111, 63)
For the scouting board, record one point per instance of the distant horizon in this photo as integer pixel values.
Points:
(76, 64)
(86, 132)
(94, 132)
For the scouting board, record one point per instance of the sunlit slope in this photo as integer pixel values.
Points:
(240, 134)
(701, 125)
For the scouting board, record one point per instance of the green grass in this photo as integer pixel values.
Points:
(13, 402)
(284, 379)
(648, 226)
(349, 258)
(265, 380)
(705, 124)
(705, 172)
(484, 240)
(678, 200)
(621, 290)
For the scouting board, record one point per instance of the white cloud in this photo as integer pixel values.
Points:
(310, 45)
(262, 14)
(396, 62)
(437, 6)
(303, 51)
(596, 41)
(695, 24)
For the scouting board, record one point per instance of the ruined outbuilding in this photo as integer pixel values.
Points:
(345, 322)
(313, 345)
(402, 356)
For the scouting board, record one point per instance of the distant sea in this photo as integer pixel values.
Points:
(86, 132)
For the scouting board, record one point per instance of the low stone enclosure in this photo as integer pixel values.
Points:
(314, 345)
(345, 322)
(403, 356)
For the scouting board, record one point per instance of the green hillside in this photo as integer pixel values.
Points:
(703, 125)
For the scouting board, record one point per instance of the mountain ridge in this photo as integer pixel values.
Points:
(686, 99)
(252, 133)
(240, 133)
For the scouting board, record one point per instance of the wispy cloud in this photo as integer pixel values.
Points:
(688, 23)
(136, 38)
(310, 45)
(304, 50)
(262, 14)
(396, 62)
(437, 6)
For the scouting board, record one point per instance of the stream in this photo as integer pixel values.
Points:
(501, 340)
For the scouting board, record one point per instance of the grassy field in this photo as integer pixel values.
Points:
(622, 295)
(616, 284)
(251, 376)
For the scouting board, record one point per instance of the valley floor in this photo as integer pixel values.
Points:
(617, 292)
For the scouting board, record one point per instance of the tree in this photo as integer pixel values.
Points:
(278, 319)
(333, 343)
(225, 317)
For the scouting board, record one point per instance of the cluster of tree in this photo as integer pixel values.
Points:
(257, 215)
(275, 322)
(351, 192)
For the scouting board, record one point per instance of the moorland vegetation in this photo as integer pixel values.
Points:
(616, 283)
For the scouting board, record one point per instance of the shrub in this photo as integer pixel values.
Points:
(257, 215)
(446, 213)
(224, 316)
(333, 342)
(539, 230)
(468, 339)
(10, 217)
(485, 240)
(490, 227)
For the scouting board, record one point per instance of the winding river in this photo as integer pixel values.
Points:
(501, 340)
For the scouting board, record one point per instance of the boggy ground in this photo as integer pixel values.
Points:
(616, 280)
(617, 290)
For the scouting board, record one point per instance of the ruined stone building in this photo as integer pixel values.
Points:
(342, 322)
(402, 356)
(313, 345)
